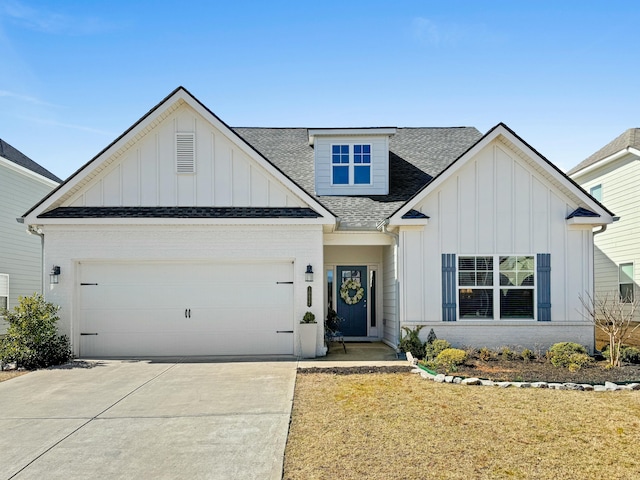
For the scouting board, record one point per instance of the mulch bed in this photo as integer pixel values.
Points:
(510, 370)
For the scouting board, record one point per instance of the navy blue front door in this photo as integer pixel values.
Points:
(352, 300)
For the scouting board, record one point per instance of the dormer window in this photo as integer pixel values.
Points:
(351, 161)
(351, 164)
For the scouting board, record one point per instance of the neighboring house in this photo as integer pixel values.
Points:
(612, 176)
(22, 183)
(188, 237)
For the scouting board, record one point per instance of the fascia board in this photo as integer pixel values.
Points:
(28, 173)
(179, 221)
(595, 221)
(604, 161)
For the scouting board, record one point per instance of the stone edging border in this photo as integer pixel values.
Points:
(442, 378)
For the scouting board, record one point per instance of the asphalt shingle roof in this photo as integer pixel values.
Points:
(416, 155)
(16, 156)
(180, 212)
(630, 138)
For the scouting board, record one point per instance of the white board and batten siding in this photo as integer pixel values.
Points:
(146, 174)
(620, 181)
(497, 203)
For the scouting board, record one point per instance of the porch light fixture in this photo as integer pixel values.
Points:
(308, 275)
(53, 276)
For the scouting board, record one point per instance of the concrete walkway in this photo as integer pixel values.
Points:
(147, 419)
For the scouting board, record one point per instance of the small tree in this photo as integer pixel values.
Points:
(32, 340)
(613, 316)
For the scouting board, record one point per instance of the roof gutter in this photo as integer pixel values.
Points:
(602, 162)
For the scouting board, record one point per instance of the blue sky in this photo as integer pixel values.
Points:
(76, 74)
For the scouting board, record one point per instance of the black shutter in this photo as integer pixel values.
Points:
(448, 287)
(544, 287)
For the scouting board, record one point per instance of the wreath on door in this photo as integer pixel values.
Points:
(349, 285)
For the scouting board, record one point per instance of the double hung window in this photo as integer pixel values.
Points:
(351, 164)
(496, 286)
(625, 281)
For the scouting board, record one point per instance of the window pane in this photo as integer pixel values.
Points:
(596, 192)
(340, 175)
(626, 292)
(362, 175)
(484, 263)
(3, 303)
(466, 263)
(476, 303)
(366, 149)
(357, 149)
(626, 273)
(467, 279)
(525, 279)
(516, 303)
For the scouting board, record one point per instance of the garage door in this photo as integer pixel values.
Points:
(138, 309)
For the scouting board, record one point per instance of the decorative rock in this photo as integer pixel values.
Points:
(410, 359)
(439, 378)
(556, 386)
(448, 379)
(522, 384)
(573, 386)
(587, 387)
(503, 384)
(417, 370)
(427, 375)
(599, 388)
(610, 386)
(471, 381)
(457, 380)
(540, 385)
(634, 386)
(487, 383)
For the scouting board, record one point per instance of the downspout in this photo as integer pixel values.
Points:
(37, 231)
(382, 226)
(603, 228)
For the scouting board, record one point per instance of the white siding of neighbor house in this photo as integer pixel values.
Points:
(20, 252)
(619, 243)
(145, 174)
(497, 203)
(379, 166)
(66, 245)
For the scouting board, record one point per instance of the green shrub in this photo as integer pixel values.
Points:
(507, 353)
(32, 340)
(433, 349)
(485, 354)
(527, 355)
(450, 358)
(627, 354)
(569, 355)
(411, 342)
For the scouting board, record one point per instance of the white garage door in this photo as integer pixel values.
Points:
(138, 309)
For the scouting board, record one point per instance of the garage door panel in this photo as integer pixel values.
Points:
(186, 308)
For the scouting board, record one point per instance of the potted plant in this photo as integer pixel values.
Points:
(308, 335)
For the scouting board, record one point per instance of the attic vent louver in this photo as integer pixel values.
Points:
(185, 152)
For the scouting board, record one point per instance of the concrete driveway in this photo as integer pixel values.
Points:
(147, 419)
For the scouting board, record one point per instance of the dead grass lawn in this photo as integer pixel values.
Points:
(399, 426)
(10, 374)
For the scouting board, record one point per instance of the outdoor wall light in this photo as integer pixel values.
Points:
(308, 275)
(53, 276)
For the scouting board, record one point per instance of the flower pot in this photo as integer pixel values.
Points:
(308, 337)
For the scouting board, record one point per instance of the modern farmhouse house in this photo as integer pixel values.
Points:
(188, 237)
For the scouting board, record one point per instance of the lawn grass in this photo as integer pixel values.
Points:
(400, 426)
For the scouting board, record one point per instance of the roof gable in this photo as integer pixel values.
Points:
(18, 158)
(139, 169)
(504, 138)
(630, 139)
